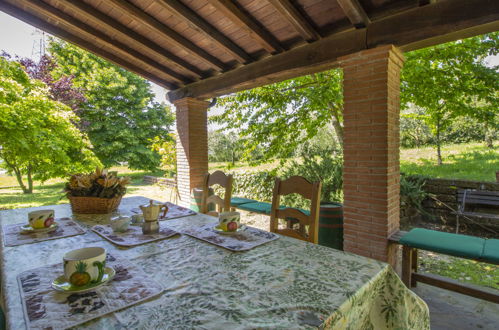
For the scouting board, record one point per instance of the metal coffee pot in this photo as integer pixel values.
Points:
(151, 213)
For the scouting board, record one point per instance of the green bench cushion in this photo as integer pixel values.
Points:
(257, 207)
(491, 251)
(452, 244)
(263, 208)
(236, 201)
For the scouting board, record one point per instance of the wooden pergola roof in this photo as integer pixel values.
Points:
(206, 48)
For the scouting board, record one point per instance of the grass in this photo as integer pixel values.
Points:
(470, 161)
(463, 270)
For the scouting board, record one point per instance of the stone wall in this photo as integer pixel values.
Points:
(444, 192)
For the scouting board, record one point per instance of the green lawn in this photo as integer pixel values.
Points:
(470, 161)
(463, 270)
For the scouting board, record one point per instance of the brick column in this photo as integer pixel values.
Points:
(371, 179)
(192, 145)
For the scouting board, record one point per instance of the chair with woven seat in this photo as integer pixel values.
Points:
(308, 223)
(220, 204)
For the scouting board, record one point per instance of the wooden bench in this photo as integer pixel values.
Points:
(469, 200)
(462, 246)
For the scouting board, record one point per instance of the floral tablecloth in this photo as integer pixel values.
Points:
(285, 284)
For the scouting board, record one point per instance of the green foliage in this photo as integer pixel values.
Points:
(415, 133)
(37, 136)
(281, 116)
(223, 147)
(257, 185)
(326, 167)
(452, 80)
(167, 149)
(119, 116)
(412, 193)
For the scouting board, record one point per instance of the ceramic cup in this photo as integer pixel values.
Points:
(84, 266)
(120, 224)
(229, 221)
(41, 218)
(137, 219)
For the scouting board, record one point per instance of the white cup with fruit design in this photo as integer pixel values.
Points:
(85, 266)
(229, 221)
(41, 219)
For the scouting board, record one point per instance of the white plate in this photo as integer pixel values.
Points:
(220, 231)
(27, 229)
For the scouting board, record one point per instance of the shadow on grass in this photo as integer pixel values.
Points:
(474, 165)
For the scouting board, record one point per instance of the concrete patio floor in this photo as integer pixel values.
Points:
(451, 310)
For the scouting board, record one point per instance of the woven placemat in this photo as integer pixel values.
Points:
(12, 233)
(240, 241)
(133, 236)
(45, 308)
(174, 211)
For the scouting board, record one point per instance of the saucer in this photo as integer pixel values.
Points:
(27, 229)
(220, 231)
(62, 285)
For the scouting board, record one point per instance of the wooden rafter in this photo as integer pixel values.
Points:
(174, 37)
(230, 10)
(355, 13)
(420, 27)
(93, 33)
(296, 19)
(89, 46)
(99, 18)
(197, 22)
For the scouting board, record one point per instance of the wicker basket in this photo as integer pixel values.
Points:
(94, 205)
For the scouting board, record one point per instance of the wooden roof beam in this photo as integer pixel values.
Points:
(296, 19)
(58, 15)
(174, 37)
(198, 23)
(355, 13)
(99, 18)
(89, 46)
(417, 28)
(230, 10)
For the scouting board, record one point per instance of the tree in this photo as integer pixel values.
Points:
(62, 89)
(452, 80)
(37, 136)
(119, 115)
(281, 116)
(168, 151)
(223, 147)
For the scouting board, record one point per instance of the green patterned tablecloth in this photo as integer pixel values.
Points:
(285, 284)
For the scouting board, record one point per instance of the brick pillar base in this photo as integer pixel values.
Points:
(371, 179)
(192, 146)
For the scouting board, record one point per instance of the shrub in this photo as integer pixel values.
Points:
(412, 193)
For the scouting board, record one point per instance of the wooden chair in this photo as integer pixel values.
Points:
(311, 191)
(221, 205)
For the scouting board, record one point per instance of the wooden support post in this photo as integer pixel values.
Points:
(414, 267)
(406, 265)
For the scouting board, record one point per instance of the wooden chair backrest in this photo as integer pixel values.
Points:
(309, 190)
(221, 205)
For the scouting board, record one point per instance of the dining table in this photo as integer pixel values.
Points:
(283, 284)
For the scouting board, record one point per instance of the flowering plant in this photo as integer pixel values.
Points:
(97, 184)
